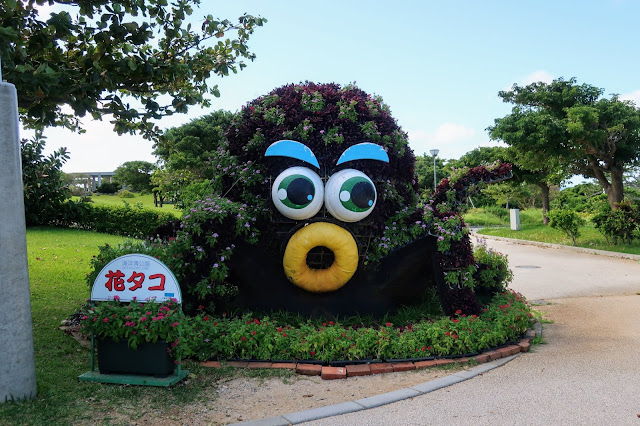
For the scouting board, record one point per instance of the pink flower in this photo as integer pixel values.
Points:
(175, 324)
(116, 298)
(105, 320)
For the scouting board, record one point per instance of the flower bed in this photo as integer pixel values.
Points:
(504, 320)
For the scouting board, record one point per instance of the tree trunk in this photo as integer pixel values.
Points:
(615, 194)
(545, 201)
(615, 189)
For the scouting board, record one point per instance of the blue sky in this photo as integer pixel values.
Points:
(438, 65)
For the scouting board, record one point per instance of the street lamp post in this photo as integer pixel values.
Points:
(434, 154)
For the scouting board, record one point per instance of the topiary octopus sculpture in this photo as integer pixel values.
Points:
(316, 210)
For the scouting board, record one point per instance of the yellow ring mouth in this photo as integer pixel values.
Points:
(333, 237)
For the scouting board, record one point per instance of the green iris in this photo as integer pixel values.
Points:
(296, 191)
(357, 194)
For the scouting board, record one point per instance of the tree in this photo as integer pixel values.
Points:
(567, 128)
(526, 171)
(187, 152)
(99, 56)
(136, 175)
(45, 188)
(424, 171)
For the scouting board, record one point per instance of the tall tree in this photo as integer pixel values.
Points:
(136, 175)
(424, 171)
(135, 60)
(572, 127)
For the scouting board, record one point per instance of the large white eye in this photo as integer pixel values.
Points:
(298, 193)
(350, 195)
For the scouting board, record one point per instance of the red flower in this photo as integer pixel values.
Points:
(455, 320)
(256, 321)
(458, 312)
(279, 329)
(105, 320)
(243, 338)
(313, 353)
(388, 324)
(447, 333)
(330, 322)
(206, 319)
(284, 334)
(253, 333)
(324, 324)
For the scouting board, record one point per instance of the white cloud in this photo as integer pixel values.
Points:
(100, 149)
(451, 139)
(534, 77)
(633, 96)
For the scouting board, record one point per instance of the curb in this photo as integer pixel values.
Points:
(504, 355)
(377, 400)
(560, 246)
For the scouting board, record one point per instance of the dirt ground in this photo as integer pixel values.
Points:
(242, 399)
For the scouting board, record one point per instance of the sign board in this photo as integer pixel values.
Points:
(136, 277)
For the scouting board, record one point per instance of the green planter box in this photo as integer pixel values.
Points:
(151, 359)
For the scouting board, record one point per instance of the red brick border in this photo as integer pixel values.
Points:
(354, 370)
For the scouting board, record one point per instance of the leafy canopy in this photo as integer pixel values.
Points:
(569, 127)
(136, 60)
(136, 175)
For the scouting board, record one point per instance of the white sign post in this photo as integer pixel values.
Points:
(136, 277)
(17, 362)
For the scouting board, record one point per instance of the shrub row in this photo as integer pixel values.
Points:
(127, 220)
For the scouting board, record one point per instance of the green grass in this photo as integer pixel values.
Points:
(589, 237)
(146, 200)
(58, 262)
(486, 217)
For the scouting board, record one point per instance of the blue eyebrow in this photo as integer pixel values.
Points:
(292, 149)
(364, 151)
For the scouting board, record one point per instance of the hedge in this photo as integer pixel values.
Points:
(117, 220)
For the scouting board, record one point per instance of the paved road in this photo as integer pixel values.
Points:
(587, 373)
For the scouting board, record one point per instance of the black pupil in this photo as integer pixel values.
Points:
(299, 190)
(320, 258)
(363, 193)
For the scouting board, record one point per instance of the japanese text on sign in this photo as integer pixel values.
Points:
(135, 277)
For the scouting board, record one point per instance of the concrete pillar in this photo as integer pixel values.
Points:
(17, 364)
(515, 219)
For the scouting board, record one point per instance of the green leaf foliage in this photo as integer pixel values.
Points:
(567, 221)
(135, 60)
(566, 128)
(45, 189)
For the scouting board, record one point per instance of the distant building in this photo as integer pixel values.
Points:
(90, 181)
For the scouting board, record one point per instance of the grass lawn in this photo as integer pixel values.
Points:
(146, 200)
(58, 262)
(589, 237)
(485, 217)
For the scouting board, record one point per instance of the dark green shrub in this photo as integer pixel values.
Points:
(567, 221)
(493, 269)
(45, 189)
(124, 193)
(189, 194)
(621, 224)
(584, 197)
(125, 220)
(108, 188)
(499, 211)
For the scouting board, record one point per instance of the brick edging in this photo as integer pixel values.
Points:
(354, 370)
